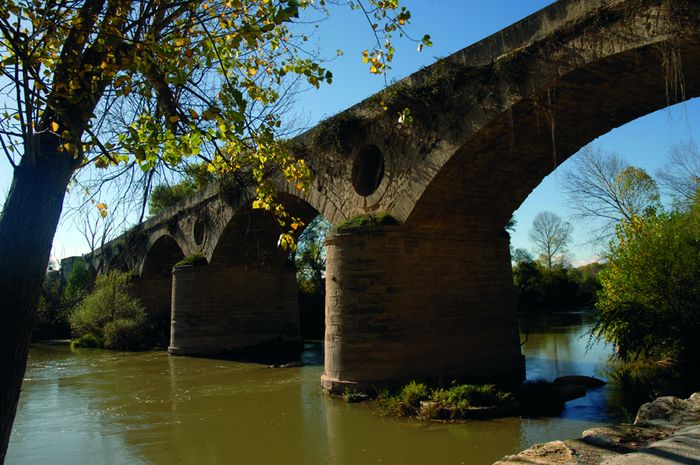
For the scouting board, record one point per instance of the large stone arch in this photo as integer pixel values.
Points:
(245, 297)
(433, 297)
(497, 167)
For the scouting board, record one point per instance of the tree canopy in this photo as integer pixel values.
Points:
(108, 83)
(650, 300)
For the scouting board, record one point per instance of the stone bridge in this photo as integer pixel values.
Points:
(430, 296)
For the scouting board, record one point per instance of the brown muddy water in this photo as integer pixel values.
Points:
(97, 407)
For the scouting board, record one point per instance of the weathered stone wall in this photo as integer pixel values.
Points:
(222, 308)
(404, 305)
(434, 297)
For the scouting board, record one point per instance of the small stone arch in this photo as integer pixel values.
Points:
(154, 284)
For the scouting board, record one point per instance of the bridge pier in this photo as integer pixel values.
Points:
(222, 308)
(403, 305)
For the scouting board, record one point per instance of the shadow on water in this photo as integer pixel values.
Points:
(102, 408)
(559, 344)
(274, 354)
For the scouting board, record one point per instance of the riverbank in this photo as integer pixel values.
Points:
(665, 432)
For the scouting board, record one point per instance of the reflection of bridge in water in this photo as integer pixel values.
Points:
(432, 296)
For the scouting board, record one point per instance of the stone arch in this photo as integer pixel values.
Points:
(496, 168)
(154, 285)
(246, 295)
(164, 252)
(251, 235)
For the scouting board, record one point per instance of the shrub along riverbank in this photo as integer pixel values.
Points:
(472, 401)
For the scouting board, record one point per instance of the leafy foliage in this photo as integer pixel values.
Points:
(79, 283)
(195, 178)
(453, 403)
(406, 402)
(538, 288)
(310, 260)
(127, 82)
(111, 314)
(57, 300)
(649, 304)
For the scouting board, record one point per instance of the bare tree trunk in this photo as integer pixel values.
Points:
(27, 227)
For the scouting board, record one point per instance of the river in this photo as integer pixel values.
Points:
(98, 407)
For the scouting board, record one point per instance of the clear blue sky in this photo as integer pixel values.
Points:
(453, 25)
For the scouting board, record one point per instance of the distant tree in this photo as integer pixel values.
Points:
(521, 255)
(527, 280)
(195, 177)
(310, 260)
(310, 257)
(602, 186)
(550, 235)
(680, 176)
(78, 284)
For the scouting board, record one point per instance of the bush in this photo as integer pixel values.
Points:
(124, 334)
(405, 403)
(89, 341)
(643, 379)
(111, 314)
(649, 305)
(456, 402)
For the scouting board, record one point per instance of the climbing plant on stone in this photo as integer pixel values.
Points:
(109, 82)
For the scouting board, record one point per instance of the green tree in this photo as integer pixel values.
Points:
(550, 235)
(310, 261)
(649, 305)
(110, 314)
(78, 284)
(195, 178)
(108, 82)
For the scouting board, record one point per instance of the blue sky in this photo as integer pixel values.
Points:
(453, 25)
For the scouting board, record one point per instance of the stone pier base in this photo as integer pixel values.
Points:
(218, 309)
(403, 305)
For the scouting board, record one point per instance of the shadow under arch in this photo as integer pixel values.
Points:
(243, 303)
(495, 170)
(154, 285)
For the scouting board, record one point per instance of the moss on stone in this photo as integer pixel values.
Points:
(367, 222)
(193, 260)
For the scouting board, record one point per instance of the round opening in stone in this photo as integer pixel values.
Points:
(367, 170)
(198, 231)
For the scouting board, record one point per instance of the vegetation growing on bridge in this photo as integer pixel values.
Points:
(192, 260)
(195, 177)
(368, 221)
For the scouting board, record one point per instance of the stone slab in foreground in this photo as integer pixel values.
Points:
(665, 432)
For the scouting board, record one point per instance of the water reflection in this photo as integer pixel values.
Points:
(559, 344)
(97, 407)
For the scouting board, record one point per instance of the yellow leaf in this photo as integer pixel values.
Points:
(54, 126)
(174, 119)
